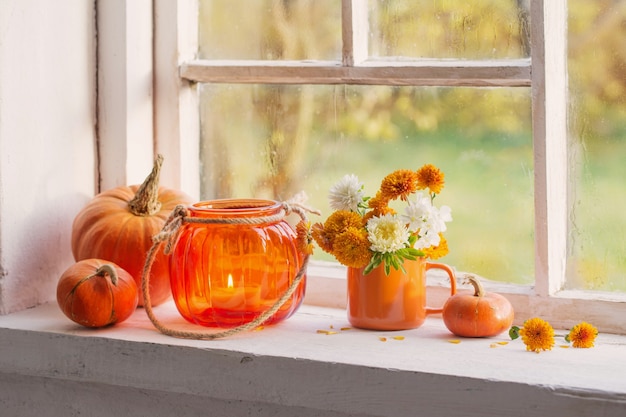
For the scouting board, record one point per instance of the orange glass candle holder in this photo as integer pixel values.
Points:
(226, 272)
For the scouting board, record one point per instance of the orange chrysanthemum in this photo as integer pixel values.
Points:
(378, 202)
(340, 220)
(429, 176)
(351, 248)
(304, 239)
(377, 213)
(537, 334)
(582, 335)
(436, 252)
(337, 223)
(400, 183)
(321, 237)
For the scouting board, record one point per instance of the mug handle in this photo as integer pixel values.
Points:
(450, 272)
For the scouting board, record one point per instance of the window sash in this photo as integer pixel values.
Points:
(176, 120)
(176, 133)
(435, 73)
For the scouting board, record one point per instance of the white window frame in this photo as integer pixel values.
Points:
(176, 71)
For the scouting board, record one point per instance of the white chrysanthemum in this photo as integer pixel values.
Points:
(439, 217)
(426, 239)
(427, 220)
(387, 233)
(418, 212)
(346, 194)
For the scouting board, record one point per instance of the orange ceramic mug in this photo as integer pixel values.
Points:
(392, 302)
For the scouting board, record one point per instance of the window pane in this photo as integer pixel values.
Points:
(270, 30)
(274, 141)
(478, 29)
(597, 145)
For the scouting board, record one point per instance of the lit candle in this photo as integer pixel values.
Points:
(236, 298)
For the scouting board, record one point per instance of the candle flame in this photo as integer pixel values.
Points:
(230, 281)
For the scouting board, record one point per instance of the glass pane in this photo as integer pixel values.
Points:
(477, 29)
(270, 29)
(597, 145)
(274, 141)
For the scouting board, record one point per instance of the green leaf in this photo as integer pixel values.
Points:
(415, 252)
(401, 252)
(374, 262)
(393, 260)
(514, 332)
(567, 339)
(411, 253)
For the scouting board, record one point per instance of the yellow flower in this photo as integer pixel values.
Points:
(340, 220)
(321, 237)
(582, 335)
(537, 335)
(304, 239)
(336, 223)
(429, 176)
(436, 252)
(378, 203)
(400, 183)
(379, 206)
(352, 248)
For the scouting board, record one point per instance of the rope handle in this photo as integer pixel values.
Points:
(169, 234)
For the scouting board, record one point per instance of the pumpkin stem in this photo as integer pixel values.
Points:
(107, 269)
(146, 200)
(479, 291)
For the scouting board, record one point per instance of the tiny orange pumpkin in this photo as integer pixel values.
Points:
(481, 314)
(118, 225)
(97, 293)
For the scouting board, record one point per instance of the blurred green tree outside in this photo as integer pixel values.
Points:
(275, 140)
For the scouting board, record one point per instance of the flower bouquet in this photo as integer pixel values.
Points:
(367, 232)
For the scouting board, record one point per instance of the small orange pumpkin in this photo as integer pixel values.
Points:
(97, 293)
(482, 314)
(118, 225)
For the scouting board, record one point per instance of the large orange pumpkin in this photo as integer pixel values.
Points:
(117, 225)
(97, 293)
(481, 314)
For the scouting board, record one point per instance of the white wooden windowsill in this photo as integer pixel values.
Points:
(292, 367)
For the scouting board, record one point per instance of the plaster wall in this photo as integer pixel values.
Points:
(47, 141)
